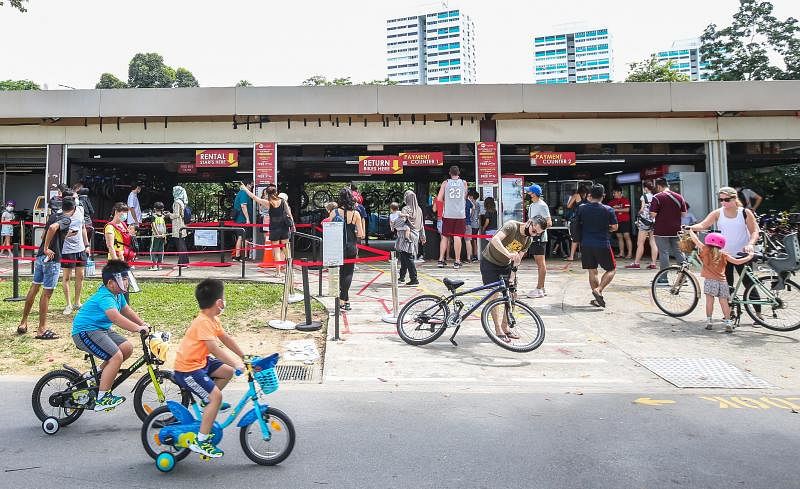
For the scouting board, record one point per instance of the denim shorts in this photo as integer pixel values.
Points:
(46, 273)
(199, 381)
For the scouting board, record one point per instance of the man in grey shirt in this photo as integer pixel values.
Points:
(134, 209)
(539, 207)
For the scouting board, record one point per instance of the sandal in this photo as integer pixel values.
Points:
(512, 335)
(346, 306)
(22, 329)
(47, 335)
(504, 338)
(595, 303)
(599, 298)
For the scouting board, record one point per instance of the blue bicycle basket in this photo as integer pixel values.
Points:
(264, 372)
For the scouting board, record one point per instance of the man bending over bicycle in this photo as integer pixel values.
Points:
(503, 254)
(201, 373)
(91, 329)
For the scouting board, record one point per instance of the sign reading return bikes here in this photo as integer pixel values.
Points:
(380, 165)
(549, 158)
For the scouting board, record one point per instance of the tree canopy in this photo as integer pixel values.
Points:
(321, 81)
(17, 4)
(18, 85)
(651, 70)
(108, 80)
(743, 50)
(185, 78)
(148, 70)
(244, 83)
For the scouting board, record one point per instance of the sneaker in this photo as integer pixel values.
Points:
(475, 259)
(456, 265)
(77, 306)
(222, 408)
(419, 260)
(441, 264)
(536, 294)
(662, 282)
(633, 265)
(412, 282)
(108, 402)
(67, 311)
(206, 448)
(729, 327)
(709, 325)
(652, 266)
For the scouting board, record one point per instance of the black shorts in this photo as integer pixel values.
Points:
(538, 248)
(624, 227)
(491, 273)
(74, 260)
(279, 232)
(592, 256)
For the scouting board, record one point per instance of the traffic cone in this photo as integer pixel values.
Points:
(267, 260)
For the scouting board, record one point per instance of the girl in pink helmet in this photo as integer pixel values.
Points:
(714, 260)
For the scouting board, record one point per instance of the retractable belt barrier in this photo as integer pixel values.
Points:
(458, 235)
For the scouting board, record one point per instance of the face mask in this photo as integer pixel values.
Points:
(9, 208)
(123, 216)
(222, 309)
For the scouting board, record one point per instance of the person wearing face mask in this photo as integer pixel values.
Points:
(7, 230)
(118, 240)
(201, 373)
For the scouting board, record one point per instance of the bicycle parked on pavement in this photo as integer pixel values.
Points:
(425, 318)
(771, 300)
(60, 397)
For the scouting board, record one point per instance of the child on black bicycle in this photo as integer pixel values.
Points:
(714, 260)
(91, 329)
(201, 373)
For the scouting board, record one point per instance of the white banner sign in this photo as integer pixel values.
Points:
(205, 237)
(332, 244)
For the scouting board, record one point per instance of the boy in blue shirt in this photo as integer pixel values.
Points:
(91, 329)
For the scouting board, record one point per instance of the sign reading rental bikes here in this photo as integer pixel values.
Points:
(216, 158)
(380, 165)
(549, 158)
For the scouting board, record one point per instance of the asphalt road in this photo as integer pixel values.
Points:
(418, 439)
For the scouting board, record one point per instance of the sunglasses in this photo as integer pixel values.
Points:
(728, 199)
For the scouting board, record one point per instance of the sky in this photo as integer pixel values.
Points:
(269, 43)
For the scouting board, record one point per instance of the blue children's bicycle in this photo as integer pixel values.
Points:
(266, 434)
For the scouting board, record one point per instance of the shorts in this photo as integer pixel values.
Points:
(491, 273)
(716, 288)
(74, 260)
(199, 381)
(46, 273)
(7, 230)
(538, 248)
(476, 231)
(278, 232)
(101, 343)
(592, 256)
(451, 227)
(624, 227)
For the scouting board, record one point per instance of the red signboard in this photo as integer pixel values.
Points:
(549, 158)
(435, 158)
(380, 165)
(654, 172)
(487, 164)
(187, 168)
(216, 158)
(264, 157)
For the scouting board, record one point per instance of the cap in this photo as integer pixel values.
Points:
(534, 189)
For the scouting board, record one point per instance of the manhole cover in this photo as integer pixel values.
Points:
(297, 373)
(702, 372)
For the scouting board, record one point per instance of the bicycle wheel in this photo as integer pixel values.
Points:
(52, 383)
(153, 445)
(522, 321)
(785, 316)
(145, 399)
(320, 198)
(422, 320)
(280, 443)
(675, 291)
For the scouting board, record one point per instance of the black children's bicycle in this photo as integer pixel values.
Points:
(509, 323)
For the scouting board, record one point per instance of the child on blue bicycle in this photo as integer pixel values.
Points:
(91, 329)
(201, 373)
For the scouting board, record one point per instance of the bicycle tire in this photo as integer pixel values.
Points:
(763, 318)
(320, 198)
(282, 453)
(436, 329)
(36, 400)
(523, 344)
(163, 376)
(688, 289)
(178, 453)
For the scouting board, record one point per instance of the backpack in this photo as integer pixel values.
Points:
(187, 215)
(337, 217)
(122, 237)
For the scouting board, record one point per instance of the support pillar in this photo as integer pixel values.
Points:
(716, 169)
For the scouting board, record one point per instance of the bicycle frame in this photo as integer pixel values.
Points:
(770, 299)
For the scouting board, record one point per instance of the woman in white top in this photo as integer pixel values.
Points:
(737, 224)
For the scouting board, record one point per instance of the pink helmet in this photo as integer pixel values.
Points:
(715, 239)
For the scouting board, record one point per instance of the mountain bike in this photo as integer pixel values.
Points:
(424, 318)
(266, 434)
(60, 397)
(772, 300)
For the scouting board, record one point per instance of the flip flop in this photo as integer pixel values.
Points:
(47, 335)
(599, 298)
(512, 335)
(504, 338)
(22, 329)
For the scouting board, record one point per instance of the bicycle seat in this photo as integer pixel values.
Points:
(452, 285)
(790, 261)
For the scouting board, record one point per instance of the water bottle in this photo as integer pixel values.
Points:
(89, 272)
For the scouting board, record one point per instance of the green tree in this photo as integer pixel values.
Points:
(108, 80)
(18, 85)
(385, 81)
(244, 83)
(651, 70)
(17, 4)
(185, 78)
(321, 81)
(742, 50)
(147, 70)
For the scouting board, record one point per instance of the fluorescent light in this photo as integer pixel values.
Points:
(374, 147)
(601, 161)
(533, 174)
(351, 162)
(244, 171)
(96, 156)
(612, 172)
(346, 175)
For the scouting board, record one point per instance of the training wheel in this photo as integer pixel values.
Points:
(165, 461)
(50, 426)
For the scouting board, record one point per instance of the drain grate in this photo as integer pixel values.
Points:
(297, 373)
(702, 372)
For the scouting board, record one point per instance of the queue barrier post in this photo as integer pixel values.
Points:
(309, 325)
(392, 318)
(293, 296)
(336, 310)
(15, 297)
(284, 323)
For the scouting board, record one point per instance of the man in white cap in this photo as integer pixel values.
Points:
(539, 207)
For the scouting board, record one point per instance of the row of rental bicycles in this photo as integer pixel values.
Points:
(170, 415)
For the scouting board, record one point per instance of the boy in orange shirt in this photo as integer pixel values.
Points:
(201, 373)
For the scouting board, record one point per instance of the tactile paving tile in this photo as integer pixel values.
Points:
(702, 372)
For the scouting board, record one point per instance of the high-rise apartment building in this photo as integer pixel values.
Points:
(685, 57)
(573, 56)
(432, 48)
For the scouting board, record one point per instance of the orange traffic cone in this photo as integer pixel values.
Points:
(267, 260)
